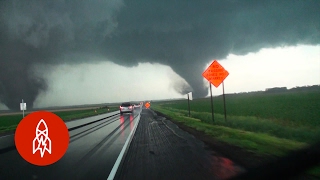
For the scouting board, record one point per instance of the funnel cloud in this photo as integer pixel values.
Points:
(182, 34)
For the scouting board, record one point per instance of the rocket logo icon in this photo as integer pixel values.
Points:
(42, 138)
(42, 142)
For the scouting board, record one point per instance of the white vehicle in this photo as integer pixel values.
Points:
(126, 107)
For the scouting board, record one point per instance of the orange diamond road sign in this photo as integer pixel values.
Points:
(147, 105)
(215, 73)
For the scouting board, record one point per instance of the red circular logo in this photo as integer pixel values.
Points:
(42, 138)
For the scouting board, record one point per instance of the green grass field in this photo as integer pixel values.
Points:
(292, 109)
(294, 116)
(272, 124)
(10, 122)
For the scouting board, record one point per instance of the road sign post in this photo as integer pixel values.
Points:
(211, 102)
(23, 107)
(188, 104)
(215, 74)
(224, 103)
(189, 97)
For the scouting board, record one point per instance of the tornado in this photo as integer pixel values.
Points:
(182, 34)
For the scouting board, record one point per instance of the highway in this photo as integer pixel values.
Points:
(161, 150)
(92, 152)
(141, 145)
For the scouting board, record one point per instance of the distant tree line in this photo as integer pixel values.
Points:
(285, 89)
(295, 89)
(306, 88)
(276, 89)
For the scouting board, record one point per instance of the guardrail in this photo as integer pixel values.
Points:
(10, 148)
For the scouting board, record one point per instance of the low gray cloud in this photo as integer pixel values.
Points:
(182, 34)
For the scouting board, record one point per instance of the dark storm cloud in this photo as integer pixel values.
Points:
(183, 34)
(46, 32)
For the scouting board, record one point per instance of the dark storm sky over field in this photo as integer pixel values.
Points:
(181, 34)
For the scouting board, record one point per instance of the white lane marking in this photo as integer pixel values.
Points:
(6, 141)
(124, 148)
(6, 135)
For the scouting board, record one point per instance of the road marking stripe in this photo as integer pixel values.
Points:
(6, 135)
(121, 155)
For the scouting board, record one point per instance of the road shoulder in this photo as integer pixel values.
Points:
(161, 150)
(239, 155)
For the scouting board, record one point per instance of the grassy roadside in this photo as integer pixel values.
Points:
(293, 109)
(9, 123)
(253, 124)
(246, 133)
(260, 143)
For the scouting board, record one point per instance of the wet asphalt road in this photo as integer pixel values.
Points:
(161, 150)
(91, 154)
(158, 150)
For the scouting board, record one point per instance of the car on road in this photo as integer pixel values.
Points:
(126, 107)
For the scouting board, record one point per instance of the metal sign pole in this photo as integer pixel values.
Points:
(188, 105)
(22, 109)
(211, 102)
(224, 103)
(216, 79)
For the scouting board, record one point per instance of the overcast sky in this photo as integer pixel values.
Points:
(109, 82)
(80, 52)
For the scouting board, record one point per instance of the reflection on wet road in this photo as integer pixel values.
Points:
(158, 150)
(130, 117)
(91, 154)
(161, 150)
